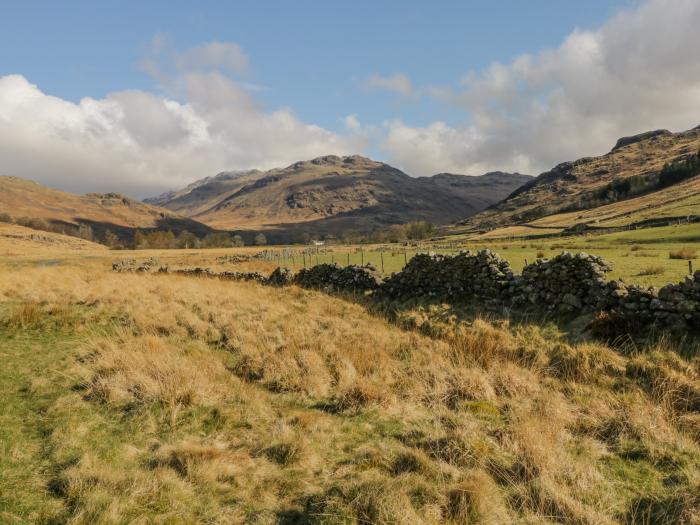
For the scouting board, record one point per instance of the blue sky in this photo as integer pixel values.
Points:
(311, 56)
(141, 97)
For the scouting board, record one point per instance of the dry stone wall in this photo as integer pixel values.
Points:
(567, 284)
(336, 278)
(674, 305)
(465, 276)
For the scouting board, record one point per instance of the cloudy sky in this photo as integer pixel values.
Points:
(141, 97)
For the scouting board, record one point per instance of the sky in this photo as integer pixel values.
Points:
(142, 97)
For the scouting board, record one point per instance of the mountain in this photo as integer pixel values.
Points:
(22, 198)
(652, 169)
(203, 189)
(334, 194)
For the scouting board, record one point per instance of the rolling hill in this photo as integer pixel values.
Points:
(635, 183)
(335, 194)
(21, 198)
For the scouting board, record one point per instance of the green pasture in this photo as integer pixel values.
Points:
(638, 256)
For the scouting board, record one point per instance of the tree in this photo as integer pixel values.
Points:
(238, 241)
(111, 240)
(85, 232)
(396, 233)
(187, 240)
(418, 230)
(260, 240)
(140, 240)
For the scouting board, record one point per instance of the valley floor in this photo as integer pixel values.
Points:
(143, 398)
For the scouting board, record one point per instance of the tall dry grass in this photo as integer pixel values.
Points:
(235, 403)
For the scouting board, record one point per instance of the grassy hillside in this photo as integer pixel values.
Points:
(333, 194)
(20, 241)
(606, 189)
(170, 399)
(23, 198)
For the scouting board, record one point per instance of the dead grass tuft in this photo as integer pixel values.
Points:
(684, 253)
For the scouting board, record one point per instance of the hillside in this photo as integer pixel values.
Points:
(333, 194)
(21, 198)
(617, 185)
(18, 240)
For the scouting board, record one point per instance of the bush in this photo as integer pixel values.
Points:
(6, 217)
(684, 253)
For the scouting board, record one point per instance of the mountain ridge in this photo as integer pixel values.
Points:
(633, 167)
(331, 194)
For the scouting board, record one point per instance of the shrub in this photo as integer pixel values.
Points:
(540, 254)
(6, 217)
(652, 270)
(684, 253)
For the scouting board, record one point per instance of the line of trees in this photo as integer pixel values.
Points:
(412, 231)
(167, 239)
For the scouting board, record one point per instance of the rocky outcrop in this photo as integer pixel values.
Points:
(626, 141)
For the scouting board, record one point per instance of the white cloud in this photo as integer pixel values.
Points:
(639, 71)
(352, 123)
(397, 83)
(141, 144)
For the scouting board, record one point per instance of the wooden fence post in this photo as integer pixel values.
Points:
(304, 256)
(690, 267)
(362, 257)
(381, 254)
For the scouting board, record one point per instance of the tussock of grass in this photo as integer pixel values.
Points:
(684, 253)
(197, 401)
(653, 270)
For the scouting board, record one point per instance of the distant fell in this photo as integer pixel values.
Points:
(332, 194)
(26, 199)
(638, 165)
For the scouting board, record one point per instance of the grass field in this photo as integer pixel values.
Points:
(136, 398)
(631, 253)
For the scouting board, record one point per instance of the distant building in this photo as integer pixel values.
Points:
(319, 243)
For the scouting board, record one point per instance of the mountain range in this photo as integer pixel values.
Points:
(644, 179)
(331, 194)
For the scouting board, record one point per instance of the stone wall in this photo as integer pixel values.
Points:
(567, 284)
(465, 276)
(674, 305)
(336, 278)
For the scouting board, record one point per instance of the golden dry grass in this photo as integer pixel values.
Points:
(184, 400)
